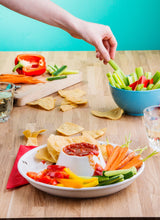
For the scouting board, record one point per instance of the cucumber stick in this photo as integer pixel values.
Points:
(112, 180)
(55, 78)
(118, 172)
(60, 70)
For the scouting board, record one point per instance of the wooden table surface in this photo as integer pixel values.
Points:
(141, 198)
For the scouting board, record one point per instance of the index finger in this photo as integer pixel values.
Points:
(113, 46)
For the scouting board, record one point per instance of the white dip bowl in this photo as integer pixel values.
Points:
(81, 165)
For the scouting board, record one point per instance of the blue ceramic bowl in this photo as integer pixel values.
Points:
(134, 102)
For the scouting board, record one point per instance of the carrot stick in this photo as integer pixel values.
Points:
(109, 149)
(19, 79)
(112, 157)
(121, 156)
(132, 162)
(137, 163)
(126, 160)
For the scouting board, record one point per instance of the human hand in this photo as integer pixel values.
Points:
(99, 36)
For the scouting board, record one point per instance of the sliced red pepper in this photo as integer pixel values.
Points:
(133, 85)
(98, 170)
(143, 80)
(32, 175)
(30, 64)
(151, 81)
(55, 167)
(58, 174)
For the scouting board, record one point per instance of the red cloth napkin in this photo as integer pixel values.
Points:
(15, 178)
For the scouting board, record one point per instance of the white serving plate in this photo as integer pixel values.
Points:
(28, 163)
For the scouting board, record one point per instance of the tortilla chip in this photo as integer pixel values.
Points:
(65, 108)
(55, 143)
(43, 154)
(112, 114)
(77, 100)
(85, 138)
(95, 133)
(73, 92)
(27, 133)
(65, 102)
(47, 103)
(69, 129)
(104, 152)
(32, 141)
(36, 133)
(32, 137)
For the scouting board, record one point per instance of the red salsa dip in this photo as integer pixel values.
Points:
(81, 149)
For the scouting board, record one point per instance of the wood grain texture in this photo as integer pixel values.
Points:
(29, 93)
(140, 199)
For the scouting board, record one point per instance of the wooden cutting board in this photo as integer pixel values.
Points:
(29, 93)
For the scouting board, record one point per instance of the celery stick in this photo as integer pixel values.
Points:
(120, 76)
(139, 72)
(117, 86)
(144, 89)
(114, 65)
(130, 80)
(109, 74)
(112, 81)
(128, 88)
(150, 86)
(139, 87)
(157, 85)
(134, 76)
(123, 77)
(156, 77)
(148, 75)
(117, 68)
(118, 79)
(50, 69)
(69, 72)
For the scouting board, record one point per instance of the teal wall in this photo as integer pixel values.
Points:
(135, 24)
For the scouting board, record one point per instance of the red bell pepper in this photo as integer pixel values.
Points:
(133, 85)
(141, 80)
(30, 64)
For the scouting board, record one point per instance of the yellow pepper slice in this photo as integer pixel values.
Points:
(70, 183)
(91, 184)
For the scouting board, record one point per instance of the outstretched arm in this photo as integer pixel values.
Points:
(100, 36)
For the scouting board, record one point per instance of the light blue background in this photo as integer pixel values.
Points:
(135, 24)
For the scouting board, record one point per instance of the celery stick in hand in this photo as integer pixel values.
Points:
(117, 68)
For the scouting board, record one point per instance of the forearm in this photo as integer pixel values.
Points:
(45, 11)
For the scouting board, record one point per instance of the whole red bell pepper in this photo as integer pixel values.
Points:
(30, 64)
